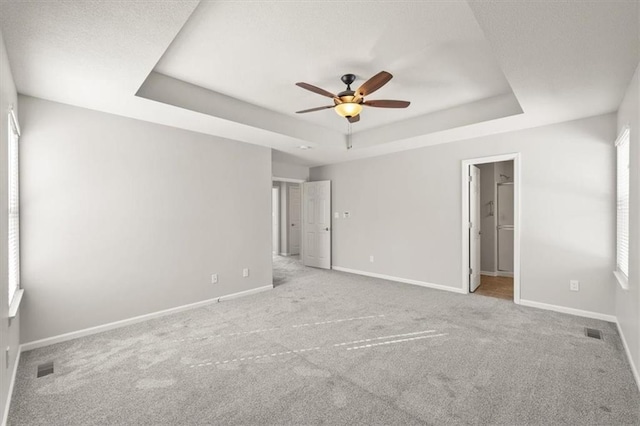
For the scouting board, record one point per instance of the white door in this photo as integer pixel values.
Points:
(474, 228)
(275, 219)
(317, 224)
(294, 220)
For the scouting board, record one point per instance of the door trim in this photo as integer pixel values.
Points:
(275, 227)
(516, 218)
(290, 180)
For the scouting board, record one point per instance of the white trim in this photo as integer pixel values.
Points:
(245, 293)
(14, 119)
(516, 218)
(629, 357)
(570, 311)
(622, 279)
(397, 279)
(623, 135)
(504, 274)
(14, 373)
(15, 303)
(275, 210)
(290, 180)
(122, 323)
(489, 273)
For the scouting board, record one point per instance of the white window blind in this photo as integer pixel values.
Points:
(622, 206)
(14, 206)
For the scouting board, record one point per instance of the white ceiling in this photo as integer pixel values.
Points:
(228, 68)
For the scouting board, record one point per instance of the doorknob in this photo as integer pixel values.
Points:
(326, 229)
(293, 224)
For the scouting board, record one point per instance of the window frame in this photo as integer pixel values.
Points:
(623, 142)
(14, 292)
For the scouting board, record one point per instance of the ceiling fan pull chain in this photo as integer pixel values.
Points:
(349, 146)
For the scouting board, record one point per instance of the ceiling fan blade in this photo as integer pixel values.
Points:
(315, 109)
(374, 83)
(315, 89)
(387, 104)
(354, 119)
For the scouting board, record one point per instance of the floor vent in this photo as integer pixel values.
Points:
(593, 333)
(45, 369)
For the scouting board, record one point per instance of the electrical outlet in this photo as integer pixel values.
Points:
(214, 278)
(574, 285)
(245, 272)
(346, 215)
(336, 215)
(371, 258)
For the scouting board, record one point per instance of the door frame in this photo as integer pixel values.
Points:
(516, 217)
(478, 214)
(275, 209)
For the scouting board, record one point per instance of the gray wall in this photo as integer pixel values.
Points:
(123, 217)
(487, 222)
(406, 211)
(628, 301)
(290, 171)
(9, 334)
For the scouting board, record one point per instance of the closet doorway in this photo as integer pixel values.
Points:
(491, 243)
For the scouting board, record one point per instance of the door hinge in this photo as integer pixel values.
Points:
(470, 225)
(470, 271)
(470, 178)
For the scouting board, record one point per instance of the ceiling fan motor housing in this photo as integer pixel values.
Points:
(348, 79)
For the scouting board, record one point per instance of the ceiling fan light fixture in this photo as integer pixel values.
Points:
(348, 109)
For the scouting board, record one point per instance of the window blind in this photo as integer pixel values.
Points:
(622, 205)
(14, 206)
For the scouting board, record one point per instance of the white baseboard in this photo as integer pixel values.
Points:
(504, 274)
(7, 404)
(400, 280)
(245, 293)
(489, 273)
(634, 369)
(122, 323)
(571, 311)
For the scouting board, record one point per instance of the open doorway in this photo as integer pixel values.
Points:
(286, 228)
(491, 255)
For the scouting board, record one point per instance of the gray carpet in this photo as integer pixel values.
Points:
(326, 347)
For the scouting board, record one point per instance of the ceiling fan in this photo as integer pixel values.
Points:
(349, 103)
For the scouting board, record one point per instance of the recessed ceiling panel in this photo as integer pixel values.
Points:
(257, 51)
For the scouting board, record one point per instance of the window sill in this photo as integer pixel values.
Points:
(15, 303)
(622, 280)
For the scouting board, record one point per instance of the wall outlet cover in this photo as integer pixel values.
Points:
(245, 272)
(214, 278)
(574, 285)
